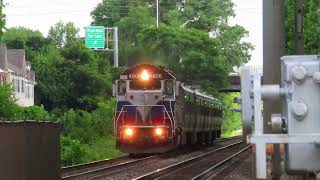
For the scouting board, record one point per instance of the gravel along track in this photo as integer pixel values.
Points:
(198, 167)
(129, 168)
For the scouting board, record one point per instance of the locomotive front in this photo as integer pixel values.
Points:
(145, 119)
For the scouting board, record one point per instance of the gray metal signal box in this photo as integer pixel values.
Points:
(301, 109)
(298, 125)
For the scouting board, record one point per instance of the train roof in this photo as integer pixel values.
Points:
(156, 72)
(198, 93)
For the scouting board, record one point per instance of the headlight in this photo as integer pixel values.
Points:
(145, 75)
(158, 131)
(128, 132)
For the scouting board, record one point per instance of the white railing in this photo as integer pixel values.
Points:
(252, 69)
(256, 69)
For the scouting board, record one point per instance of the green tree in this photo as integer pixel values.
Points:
(208, 15)
(182, 42)
(18, 36)
(311, 26)
(54, 82)
(2, 18)
(231, 120)
(61, 34)
(194, 56)
(23, 38)
(8, 107)
(138, 19)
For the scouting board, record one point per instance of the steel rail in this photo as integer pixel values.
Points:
(108, 168)
(70, 172)
(68, 169)
(207, 172)
(169, 169)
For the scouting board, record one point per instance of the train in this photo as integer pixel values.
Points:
(155, 113)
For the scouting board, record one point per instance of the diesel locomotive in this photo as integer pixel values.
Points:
(155, 113)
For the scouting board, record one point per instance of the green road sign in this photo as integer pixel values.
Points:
(95, 37)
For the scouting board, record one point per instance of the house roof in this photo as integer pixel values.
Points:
(13, 61)
(16, 61)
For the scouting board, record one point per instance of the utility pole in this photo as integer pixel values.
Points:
(157, 4)
(273, 50)
(116, 47)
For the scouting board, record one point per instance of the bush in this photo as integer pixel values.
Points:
(35, 113)
(72, 151)
(231, 120)
(8, 107)
(89, 134)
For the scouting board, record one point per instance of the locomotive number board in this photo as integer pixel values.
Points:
(151, 76)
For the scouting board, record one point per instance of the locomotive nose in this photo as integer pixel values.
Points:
(145, 101)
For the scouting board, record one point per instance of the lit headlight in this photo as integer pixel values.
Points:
(128, 131)
(158, 131)
(144, 75)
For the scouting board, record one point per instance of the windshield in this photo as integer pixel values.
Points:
(149, 85)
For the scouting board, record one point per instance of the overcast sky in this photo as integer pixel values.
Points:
(41, 14)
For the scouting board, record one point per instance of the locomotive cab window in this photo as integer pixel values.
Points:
(122, 87)
(168, 87)
(149, 85)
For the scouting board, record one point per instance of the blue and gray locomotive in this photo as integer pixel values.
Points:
(155, 113)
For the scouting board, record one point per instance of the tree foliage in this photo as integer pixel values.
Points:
(2, 18)
(8, 107)
(232, 120)
(9, 110)
(23, 38)
(311, 26)
(194, 39)
(62, 34)
(73, 83)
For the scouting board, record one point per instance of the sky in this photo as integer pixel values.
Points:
(42, 14)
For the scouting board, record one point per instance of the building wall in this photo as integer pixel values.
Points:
(23, 90)
(3, 77)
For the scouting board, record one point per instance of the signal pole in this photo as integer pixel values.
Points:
(273, 50)
(116, 47)
(157, 4)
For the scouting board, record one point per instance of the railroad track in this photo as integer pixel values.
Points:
(67, 170)
(93, 169)
(197, 167)
(110, 166)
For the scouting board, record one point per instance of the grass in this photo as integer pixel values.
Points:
(102, 148)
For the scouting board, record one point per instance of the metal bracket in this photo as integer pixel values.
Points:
(285, 139)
